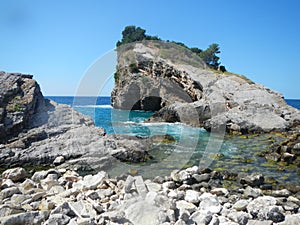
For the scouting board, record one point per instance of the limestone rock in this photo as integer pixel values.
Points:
(183, 90)
(15, 174)
(261, 206)
(210, 202)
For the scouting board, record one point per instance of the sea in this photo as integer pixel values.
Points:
(193, 146)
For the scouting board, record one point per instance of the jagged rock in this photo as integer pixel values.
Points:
(59, 160)
(210, 202)
(201, 217)
(275, 215)
(15, 174)
(5, 210)
(58, 219)
(253, 180)
(240, 205)
(8, 192)
(257, 222)
(239, 217)
(192, 196)
(36, 131)
(184, 205)
(33, 218)
(250, 192)
(291, 220)
(261, 206)
(183, 90)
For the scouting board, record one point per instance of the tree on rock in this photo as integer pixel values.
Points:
(132, 34)
(210, 57)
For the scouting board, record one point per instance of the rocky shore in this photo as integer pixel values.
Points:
(171, 80)
(35, 131)
(190, 196)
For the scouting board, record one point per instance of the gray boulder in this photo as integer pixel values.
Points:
(35, 131)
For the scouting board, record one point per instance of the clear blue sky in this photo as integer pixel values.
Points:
(57, 41)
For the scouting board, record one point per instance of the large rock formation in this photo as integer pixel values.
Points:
(36, 131)
(167, 78)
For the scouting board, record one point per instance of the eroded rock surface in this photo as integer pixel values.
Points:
(36, 131)
(166, 78)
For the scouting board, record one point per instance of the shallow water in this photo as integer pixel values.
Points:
(193, 146)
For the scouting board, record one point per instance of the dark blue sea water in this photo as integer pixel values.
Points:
(193, 146)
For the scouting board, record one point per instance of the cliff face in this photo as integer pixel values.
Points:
(20, 97)
(36, 131)
(174, 82)
(146, 81)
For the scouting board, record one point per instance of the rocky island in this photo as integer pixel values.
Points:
(172, 81)
(36, 134)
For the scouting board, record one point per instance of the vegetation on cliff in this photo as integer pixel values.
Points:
(209, 56)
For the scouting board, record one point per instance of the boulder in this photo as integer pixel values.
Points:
(36, 131)
(15, 174)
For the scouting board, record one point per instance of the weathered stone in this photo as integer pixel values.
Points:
(91, 182)
(8, 192)
(28, 184)
(239, 217)
(258, 222)
(5, 210)
(59, 160)
(25, 218)
(83, 209)
(140, 186)
(129, 184)
(275, 215)
(189, 93)
(220, 191)
(250, 192)
(180, 176)
(210, 202)
(291, 220)
(46, 205)
(201, 217)
(253, 180)
(18, 199)
(192, 196)
(151, 186)
(261, 206)
(184, 205)
(15, 174)
(281, 193)
(240, 205)
(291, 206)
(58, 219)
(202, 177)
(49, 181)
(7, 183)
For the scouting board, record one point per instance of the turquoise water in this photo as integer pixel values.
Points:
(193, 146)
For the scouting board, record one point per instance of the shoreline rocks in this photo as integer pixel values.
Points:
(167, 79)
(35, 131)
(64, 197)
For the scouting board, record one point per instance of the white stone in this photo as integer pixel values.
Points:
(210, 202)
(15, 174)
(184, 205)
(192, 196)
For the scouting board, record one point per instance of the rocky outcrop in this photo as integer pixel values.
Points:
(64, 197)
(36, 131)
(20, 97)
(162, 77)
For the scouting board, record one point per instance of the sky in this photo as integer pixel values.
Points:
(60, 41)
